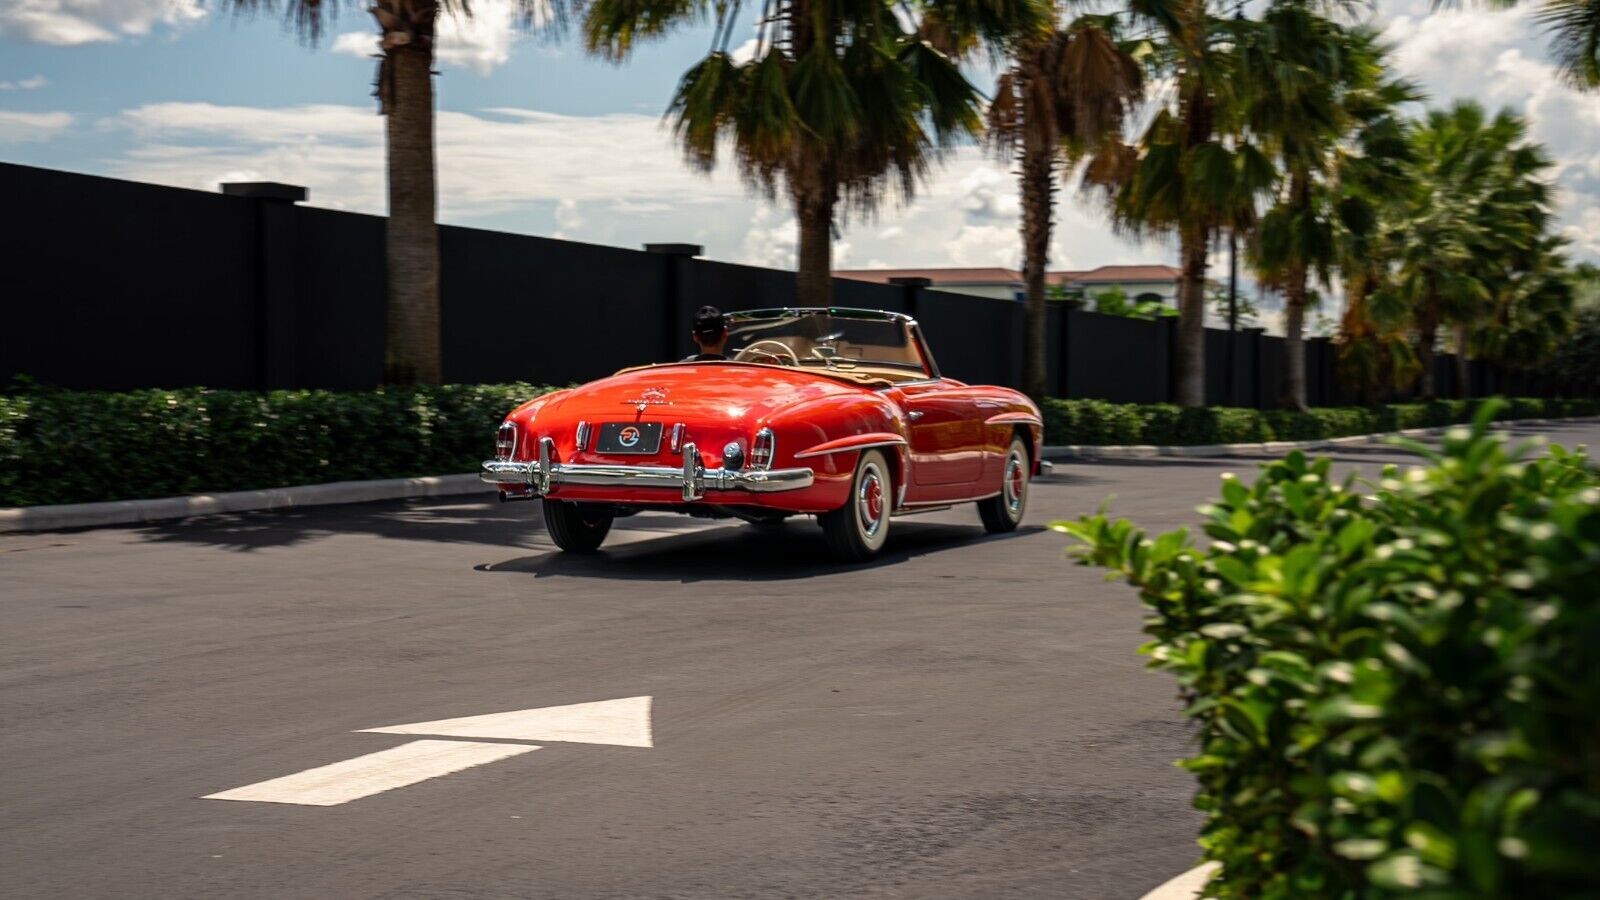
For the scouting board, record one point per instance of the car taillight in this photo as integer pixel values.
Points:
(763, 449)
(583, 435)
(505, 441)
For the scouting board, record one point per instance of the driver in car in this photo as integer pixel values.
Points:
(710, 334)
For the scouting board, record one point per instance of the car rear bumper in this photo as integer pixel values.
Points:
(691, 480)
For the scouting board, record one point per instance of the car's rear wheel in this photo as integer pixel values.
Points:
(1003, 512)
(857, 530)
(575, 527)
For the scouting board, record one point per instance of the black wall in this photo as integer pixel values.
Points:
(114, 285)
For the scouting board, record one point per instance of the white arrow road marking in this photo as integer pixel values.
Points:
(374, 773)
(624, 722)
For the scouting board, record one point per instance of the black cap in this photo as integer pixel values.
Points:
(709, 323)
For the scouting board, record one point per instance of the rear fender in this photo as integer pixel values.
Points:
(828, 435)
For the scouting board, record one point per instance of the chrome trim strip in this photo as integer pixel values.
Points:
(1013, 418)
(917, 383)
(805, 454)
(916, 504)
(912, 510)
(692, 480)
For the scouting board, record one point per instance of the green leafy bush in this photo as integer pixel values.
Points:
(85, 446)
(1396, 694)
(1099, 423)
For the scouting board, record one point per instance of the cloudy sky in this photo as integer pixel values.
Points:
(536, 138)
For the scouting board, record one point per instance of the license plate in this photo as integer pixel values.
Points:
(629, 437)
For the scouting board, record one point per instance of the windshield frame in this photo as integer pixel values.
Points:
(919, 343)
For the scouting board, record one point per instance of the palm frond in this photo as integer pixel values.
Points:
(1575, 44)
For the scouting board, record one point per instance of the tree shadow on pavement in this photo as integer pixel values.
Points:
(460, 520)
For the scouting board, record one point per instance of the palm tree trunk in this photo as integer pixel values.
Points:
(1189, 355)
(1294, 347)
(1294, 322)
(1038, 185)
(1463, 365)
(1427, 333)
(814, 279)
(411, 350)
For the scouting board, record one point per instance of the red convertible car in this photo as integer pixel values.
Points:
(837, 413)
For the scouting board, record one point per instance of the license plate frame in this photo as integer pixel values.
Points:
(646, 438)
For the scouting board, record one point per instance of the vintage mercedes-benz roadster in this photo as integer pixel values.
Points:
(837, 413)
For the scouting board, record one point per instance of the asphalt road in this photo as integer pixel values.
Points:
(966, 718)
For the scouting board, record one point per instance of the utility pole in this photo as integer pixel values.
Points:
(1233, 311)
(1233, 280)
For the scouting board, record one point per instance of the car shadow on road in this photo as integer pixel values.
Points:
(741, 552)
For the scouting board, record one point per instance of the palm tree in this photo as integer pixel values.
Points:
(1533, 313)
(1368, 172)
(1515, 217)
(1067, 90)
(404, 89)
(840, 103)
(1189, 174)
(1477, 201)
(1312, 85)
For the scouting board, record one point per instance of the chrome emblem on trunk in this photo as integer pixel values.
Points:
(650, 397)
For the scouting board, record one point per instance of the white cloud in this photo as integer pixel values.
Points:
(357, 43)
(1584, 232)
(745, 51)
(69, 23)
(25, 84)
(568, 218)
(1498, 58)
(480, 42)
(17, 127)
(771, 239)
(491, 162)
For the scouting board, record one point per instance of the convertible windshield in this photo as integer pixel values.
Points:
(828, 338)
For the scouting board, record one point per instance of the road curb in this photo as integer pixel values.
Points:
(1152, 451)
(127, 512)
(1184, 887)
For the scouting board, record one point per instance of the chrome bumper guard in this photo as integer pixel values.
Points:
(692, 480)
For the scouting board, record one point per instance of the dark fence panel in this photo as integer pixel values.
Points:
(1116, 358)
(1270, 367)
(115, 285)
(1221, 353)
(519, 308)
(974, 339)
(341, 299)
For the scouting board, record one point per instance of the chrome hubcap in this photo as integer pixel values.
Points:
(1016, 485)
(870, 507)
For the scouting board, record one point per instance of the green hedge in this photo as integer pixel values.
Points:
(86, 446)
(1397, 684)
(1097, 422)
